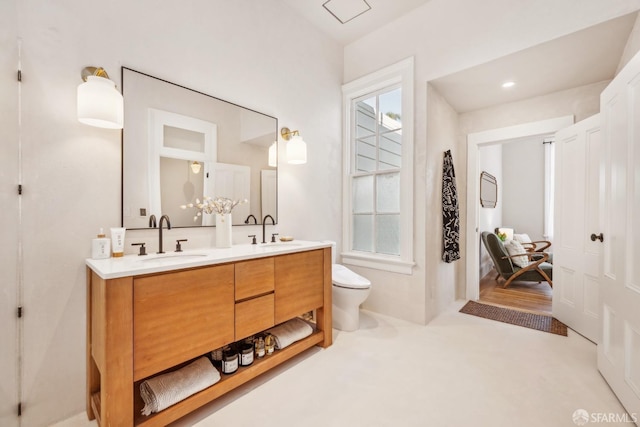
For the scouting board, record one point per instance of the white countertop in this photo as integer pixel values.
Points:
(134, 265)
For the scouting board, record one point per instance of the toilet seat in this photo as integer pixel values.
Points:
(345, 278)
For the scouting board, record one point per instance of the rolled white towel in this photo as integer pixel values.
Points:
(160, 392)
(290, 331)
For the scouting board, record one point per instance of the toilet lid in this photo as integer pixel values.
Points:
(346, 278)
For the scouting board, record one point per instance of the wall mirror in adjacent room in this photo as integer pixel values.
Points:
(488, 190)
(179, 145)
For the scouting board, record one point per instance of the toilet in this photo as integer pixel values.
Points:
(349, 291)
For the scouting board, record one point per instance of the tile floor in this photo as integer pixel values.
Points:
(459, 370)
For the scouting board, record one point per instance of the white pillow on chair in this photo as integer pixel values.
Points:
(522, 238)
(515, 248)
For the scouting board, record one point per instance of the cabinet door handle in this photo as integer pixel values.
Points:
(595, 237)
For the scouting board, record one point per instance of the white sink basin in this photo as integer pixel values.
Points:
(280, 245)
(172, 258)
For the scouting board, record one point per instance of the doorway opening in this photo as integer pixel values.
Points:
(522, 178)
(476, 142)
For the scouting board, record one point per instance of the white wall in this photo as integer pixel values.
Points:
(446, 36)
(523, 187)
(9, 231)
(442, 131)
(632, 46)
(256, 53)
(490, 160)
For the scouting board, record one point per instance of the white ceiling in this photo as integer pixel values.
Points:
(381, 12)
(588, 56)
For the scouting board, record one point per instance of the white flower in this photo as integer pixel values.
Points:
(219, 205)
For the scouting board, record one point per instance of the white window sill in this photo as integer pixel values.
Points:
(378, 262)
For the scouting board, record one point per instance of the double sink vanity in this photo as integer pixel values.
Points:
(148, 315)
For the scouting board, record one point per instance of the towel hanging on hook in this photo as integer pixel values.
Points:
(450, 213)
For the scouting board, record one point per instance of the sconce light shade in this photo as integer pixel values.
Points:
(296, 147)
(99, 102)
(195, 167)
(296, 150)
(273, 155)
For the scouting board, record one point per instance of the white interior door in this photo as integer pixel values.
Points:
(576, 258)
(233, 182)
(619, 349)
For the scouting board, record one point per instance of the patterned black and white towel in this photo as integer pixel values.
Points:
(450, 214)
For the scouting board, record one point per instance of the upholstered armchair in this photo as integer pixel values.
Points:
(519, 264)
(526, 242)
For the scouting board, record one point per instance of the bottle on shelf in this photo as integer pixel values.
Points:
(269, 344)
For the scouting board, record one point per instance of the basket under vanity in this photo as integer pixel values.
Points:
(147, 316)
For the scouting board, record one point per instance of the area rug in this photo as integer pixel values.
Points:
(516, 317)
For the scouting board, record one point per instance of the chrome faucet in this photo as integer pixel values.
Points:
(264, 224)
(255, 221)
(164, 218)
(152, 221)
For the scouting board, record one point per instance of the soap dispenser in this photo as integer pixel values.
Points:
(101, 246)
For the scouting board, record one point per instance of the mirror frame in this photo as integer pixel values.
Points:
(122, 147)
(488, 190)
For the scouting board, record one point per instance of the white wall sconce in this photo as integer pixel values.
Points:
(296, 147)
(195, 167)
(99, 102)
(273, 154)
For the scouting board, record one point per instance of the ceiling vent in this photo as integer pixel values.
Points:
(346, 10)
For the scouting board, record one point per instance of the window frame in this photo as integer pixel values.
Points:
(394, 76)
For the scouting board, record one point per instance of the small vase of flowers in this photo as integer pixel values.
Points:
(221, 207)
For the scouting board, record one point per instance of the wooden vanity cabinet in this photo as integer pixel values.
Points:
(166, 306)
(141, 326)
(299, 284)
(255, 282)
(254, 277)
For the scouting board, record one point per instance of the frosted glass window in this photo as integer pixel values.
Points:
(363, 233)
(363, 194)
(375, 192)
(388, 234)
(388, 193)
(378, 184)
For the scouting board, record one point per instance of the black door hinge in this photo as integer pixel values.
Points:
(19, 75)
(20, 409)
(20, 312)
(19, 189)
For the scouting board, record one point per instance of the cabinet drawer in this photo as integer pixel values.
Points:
(179, 316)
(254, 315)
(299, 284)
(254, 277)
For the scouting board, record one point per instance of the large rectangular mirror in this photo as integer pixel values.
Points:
(179, 145)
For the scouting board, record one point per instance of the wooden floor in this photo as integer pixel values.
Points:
(527, 296)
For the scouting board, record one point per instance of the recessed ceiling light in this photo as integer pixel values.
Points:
(508, 84)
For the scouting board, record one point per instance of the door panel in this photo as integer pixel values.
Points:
(578, 166)
(619, 351)
(165, 305)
